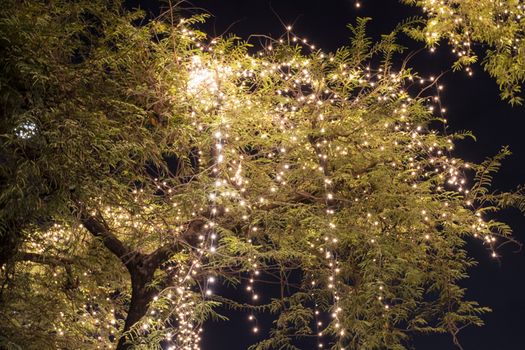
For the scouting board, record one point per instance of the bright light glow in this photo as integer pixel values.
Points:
(201, 78)
(26, 130)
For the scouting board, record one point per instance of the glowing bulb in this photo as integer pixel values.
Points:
(201, 78)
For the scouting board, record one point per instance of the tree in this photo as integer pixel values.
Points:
(143, 163)
(498, 27)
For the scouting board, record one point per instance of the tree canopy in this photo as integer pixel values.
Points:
(144, 163)
(471, 27)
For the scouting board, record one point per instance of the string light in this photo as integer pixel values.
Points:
(306, 141)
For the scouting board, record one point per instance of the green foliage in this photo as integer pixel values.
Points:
(161, 160)
(497, 26)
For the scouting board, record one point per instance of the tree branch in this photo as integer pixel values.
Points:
(189, 236)
(42, 259)
(98, 228)
(52, 261)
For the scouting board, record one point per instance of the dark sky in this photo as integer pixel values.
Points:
(472, 103)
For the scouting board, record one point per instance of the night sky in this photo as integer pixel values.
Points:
(471, 103)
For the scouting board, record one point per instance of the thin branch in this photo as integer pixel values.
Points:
(42, 259)
(52, 261)
(98, 228)
(189, 236)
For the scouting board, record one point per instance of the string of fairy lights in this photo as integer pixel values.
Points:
(458, 24)
(204, 87)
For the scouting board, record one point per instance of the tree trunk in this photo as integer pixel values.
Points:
(141, 295)
(140, 267)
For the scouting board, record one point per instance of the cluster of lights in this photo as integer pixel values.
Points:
(250, 288)
(26, 130)
(463, 26)
(301, 92)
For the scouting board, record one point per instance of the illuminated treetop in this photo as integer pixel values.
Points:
(472, 26)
